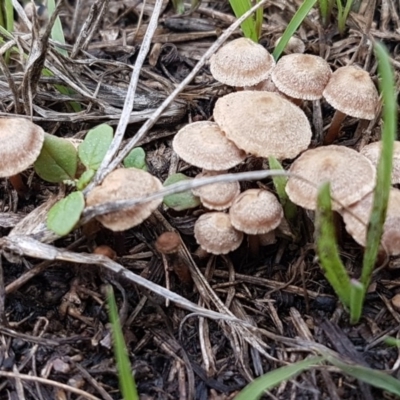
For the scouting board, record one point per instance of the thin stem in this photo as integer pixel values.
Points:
(334, 129)
(18, 184)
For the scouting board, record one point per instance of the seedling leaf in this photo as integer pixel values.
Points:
(93, 149)
(180, 201)
(84, 179)
(65, 214)
(136, 159)
(57, 161)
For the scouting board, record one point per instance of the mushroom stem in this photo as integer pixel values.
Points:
(18, 184)
(254, 245)
(333, 131)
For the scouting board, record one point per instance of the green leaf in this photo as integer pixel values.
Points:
(65, 214)
(256, 389)
(126, 380)
(136, 159)
(57, 161)
(356, 300)
(180, 201)
(57, 32)
(249, 26)
(327, 249)
(93, 149)
(84, 179)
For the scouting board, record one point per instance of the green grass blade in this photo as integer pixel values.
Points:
(126, 380)
(248, 26)
(256, 389)
(356, 300)
(383, 185)
(57, 32)
(259, 20)
(327, 249)
(293, 25)
(373, 377)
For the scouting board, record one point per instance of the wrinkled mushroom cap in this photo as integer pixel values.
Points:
(241, 62)
(301, 76)
(256, 211)
(356, 218)
(373, 150)
(203, 145)
(216, 196)
(21, 142)
(263, 124)
(352, 91)
(123, 184)
(215, 234)
(350, 174)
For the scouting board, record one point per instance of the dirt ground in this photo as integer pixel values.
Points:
(54, 324)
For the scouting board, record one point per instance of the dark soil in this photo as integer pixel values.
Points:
(54, 325)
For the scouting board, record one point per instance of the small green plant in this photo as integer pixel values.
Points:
(251, 27)
(59, 162)
(180, 201)
(126, 380)
(7, 21)
(326, 7)
(352, 292)
(136, 159)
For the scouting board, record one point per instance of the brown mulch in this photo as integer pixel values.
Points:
(242, 316)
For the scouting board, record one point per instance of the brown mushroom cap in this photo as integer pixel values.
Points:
(301, 76)
(241, 62)
(256, 211)
(356, 218)
(123, 184)
(203, 145)
(215, 234)
(352, 91)
(21, 142)
(263, 124)
(373, 150)
(217, 196)
(294, 45)
(352, 176)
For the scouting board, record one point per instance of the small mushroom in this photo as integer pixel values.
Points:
(215, 234)
(356, 218)
(294, 45)
(123, 184)
(263, 124)
(350, 91)
(217, 196)
(351, 175)
(241, 62)
(203, 145)
(373, 151)
(301, 76)
(21, 142)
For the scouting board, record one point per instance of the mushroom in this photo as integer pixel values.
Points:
(350, 91)
(123, 184)
(241, 62)
(356, 218)
(301, 76)
(217, 196)
(373, 150)
(255, 212)
(294, 45)
(263, 124)
(352, 176)
(203, 145)
(215, 234)
(21, 142)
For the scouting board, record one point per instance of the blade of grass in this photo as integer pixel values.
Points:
(248, 26)
(57, 32)
(356, 300)
(259, 20)
(256, 389)
(126, 380)
(384, 170)
(293, 25)
(327, 249)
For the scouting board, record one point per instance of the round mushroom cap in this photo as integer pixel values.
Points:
(217, 196)
(356, 218)
(263, 124)
(256, 211)
(294, 45)
(373, 150)
(204, 145)
(352, 91)
(241, 62)
(124, 184)
(21, 142)
(301, 76)
(351, 175)
(215, 234)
